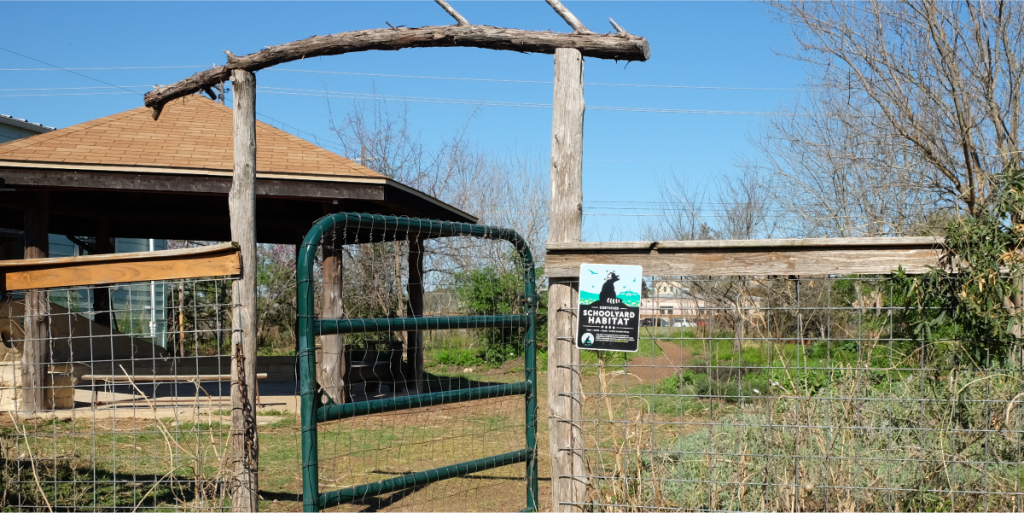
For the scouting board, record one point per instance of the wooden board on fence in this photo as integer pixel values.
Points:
(853, 255)
(45, 273)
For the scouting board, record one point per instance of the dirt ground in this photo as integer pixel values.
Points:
(373, 448)
(501, 489)
(652, 370)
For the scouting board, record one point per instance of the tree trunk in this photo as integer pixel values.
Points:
(568, 481)
(242, 207)
(414, 347)
(332, 367)
(35, 353)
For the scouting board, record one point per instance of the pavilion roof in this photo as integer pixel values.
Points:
(192, 136)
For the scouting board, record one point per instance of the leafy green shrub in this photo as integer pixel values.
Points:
(977, 287)
(490, 291)
(457, 357)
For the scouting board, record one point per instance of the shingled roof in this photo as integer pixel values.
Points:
(193, 136)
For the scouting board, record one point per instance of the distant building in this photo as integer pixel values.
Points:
(670, 299)
(13, 128)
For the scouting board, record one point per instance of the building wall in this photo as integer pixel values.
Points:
(9, 133)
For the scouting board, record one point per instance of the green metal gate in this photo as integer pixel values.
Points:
(313, 405)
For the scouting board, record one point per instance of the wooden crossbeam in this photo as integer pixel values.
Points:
(618, 46)
(45, 273)
(853, 255)
(161, 378)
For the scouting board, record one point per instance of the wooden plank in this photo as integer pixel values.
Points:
(159, 378)
(568, 485)
(169, 254)
(752, 258)
(838, 242)
(46, 273)
(199, 266)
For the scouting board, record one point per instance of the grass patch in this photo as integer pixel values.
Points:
(455, 357)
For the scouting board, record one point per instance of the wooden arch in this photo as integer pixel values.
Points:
(619, 45)
(565, 213)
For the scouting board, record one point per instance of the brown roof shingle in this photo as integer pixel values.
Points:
(192, 133)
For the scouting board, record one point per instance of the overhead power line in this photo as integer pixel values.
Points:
(427, 77)
(493, 103)
(449, 101)
(55, 68)
(46, 95)
(65, 69)
(72, 88)
(515, 81)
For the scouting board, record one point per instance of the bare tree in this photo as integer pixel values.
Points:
(835, 175)
(508, 191)
(934, 85)
(732, 207)
(739, 207)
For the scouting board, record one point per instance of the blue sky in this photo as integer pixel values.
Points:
(626, 154)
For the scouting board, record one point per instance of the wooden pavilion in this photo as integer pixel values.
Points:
(127, 175)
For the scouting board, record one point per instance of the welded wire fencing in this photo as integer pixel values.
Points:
(422, 348)
(123, 402)
(796, 394)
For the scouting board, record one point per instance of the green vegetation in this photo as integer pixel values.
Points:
(978, 286)
(887, 403)
(456, 357)
(489, 291)
(85, 466)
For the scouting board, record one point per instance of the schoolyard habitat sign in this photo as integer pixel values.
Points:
(609, 313)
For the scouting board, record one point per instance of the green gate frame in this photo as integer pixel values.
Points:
(313, 409)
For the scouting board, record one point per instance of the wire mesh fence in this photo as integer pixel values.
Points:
(796, 394)
(390, 279)
(135, 395)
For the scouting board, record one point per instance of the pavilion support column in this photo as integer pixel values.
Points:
(414, 348)
(332, 376)
(568, 484)
(242, 208)
(101, 294)
(35, 354)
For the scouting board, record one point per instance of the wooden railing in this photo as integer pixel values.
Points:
(45, 273)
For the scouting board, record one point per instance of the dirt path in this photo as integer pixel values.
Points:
(653, 370)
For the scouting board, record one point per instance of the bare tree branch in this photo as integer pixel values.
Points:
(452, 12)
(940, 81)
(618, 30)
(573, 22)
(602, 46)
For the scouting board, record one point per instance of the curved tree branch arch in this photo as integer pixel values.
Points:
(621, 46)
(568, 492)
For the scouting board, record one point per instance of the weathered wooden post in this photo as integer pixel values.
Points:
(568, 486)
(242, 207)
(414, 347)
(332, 366)
(35, 351)
(101, 294)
